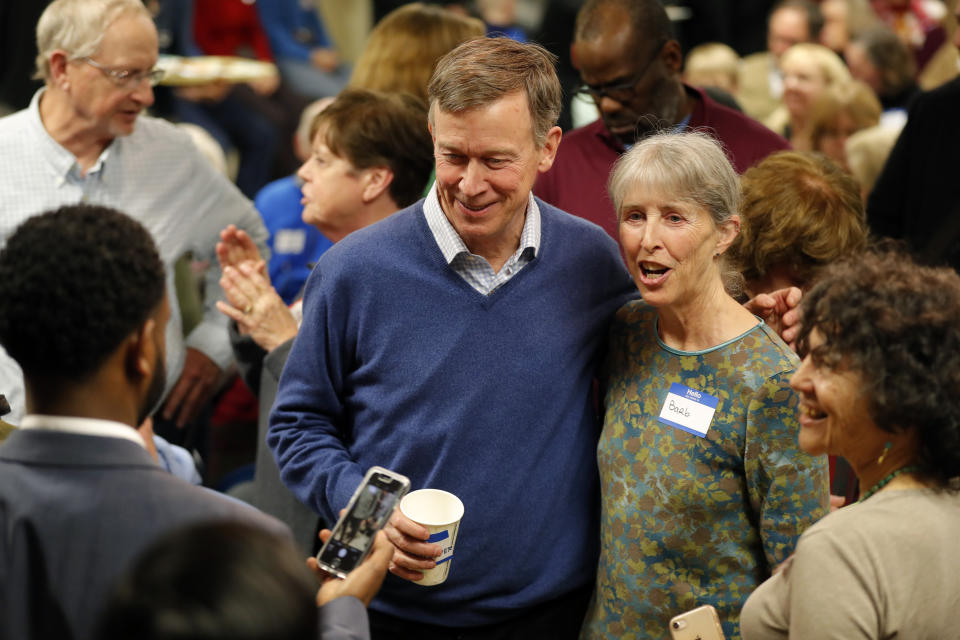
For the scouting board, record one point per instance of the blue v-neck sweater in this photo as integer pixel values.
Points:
(400, 363)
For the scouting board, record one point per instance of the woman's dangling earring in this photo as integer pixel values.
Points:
(886, 450)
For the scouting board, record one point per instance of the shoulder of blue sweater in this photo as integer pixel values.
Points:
(365, 244)
(551, 215)
(588, 236)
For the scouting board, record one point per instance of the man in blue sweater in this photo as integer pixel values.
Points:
(456, 342)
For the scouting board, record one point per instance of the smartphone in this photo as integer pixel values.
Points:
(701, 623)
(367, 512)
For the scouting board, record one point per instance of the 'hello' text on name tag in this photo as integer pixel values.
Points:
(688, 409)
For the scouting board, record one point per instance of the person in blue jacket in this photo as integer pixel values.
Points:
(304, 52)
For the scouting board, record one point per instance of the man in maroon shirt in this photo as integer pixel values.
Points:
(630, 64)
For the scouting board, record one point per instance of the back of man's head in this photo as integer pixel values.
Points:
(74, 283)
(77, 26)
(373, 129)
(223, 581)
(648, 20)
(480, 72)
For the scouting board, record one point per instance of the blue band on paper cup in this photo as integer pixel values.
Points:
(437, 537)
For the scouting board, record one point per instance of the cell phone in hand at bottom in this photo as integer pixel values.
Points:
(701, 623)
(367, 512)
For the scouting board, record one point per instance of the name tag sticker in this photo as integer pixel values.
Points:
(289, 241)
(688, 409)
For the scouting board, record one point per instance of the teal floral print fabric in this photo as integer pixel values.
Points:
(689, 520)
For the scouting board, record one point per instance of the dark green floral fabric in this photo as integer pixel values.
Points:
(691, 520)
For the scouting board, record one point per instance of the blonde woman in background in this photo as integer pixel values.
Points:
(712, 64)
(404, 47)
(808, 70)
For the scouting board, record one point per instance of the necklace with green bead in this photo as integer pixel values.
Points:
(887, 479)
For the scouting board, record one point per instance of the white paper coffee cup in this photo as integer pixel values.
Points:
(440, 512)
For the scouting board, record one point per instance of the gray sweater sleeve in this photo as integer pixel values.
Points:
(344, 618)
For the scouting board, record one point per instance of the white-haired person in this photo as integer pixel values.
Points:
(84, 138)
(704, 490)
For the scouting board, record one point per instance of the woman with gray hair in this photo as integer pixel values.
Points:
(704, 490)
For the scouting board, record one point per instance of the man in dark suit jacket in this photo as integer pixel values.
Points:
(83, 313)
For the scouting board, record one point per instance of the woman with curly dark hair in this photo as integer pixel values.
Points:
(880, 386)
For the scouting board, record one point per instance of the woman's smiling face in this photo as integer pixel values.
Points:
(834, 408)
(803, 82)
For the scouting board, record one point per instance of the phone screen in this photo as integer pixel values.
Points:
(367, 513)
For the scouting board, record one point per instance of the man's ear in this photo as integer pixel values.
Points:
(141, 351)
(672, 56)
(548, 151)
(376, 180)
(58, 69)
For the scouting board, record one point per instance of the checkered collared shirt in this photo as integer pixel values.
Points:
(473, 268)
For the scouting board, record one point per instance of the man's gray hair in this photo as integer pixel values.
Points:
(77, 27)
(482, 71)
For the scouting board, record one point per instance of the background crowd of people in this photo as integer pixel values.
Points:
(665, 292)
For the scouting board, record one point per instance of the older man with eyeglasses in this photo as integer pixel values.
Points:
(630, 63)
(84, 139)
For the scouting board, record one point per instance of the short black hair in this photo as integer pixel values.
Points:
(214, 581)
(74, 282)
(896, 324)
(649, 21)
(815, 19)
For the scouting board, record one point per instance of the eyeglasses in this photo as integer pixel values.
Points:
(127, 78)
(620, 91)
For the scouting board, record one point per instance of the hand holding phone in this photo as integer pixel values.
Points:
(367, 512)
(363, 582)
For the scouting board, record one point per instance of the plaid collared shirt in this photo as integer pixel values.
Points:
(473, 268)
